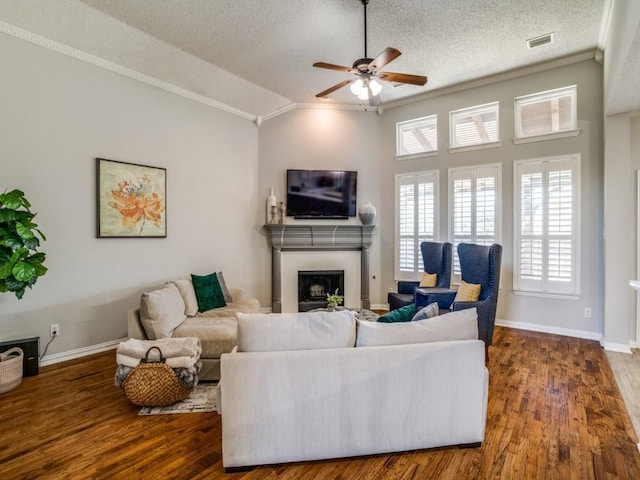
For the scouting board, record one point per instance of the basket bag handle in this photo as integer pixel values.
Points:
(146, 357)
(4, 356)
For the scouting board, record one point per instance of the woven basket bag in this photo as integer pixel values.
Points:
(153, 383)
(10, 369)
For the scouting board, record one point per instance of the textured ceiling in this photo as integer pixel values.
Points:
(269, 46)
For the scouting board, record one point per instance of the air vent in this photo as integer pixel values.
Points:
(539, 41)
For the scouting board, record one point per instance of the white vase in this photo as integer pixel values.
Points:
(271, 202)
(367, 213)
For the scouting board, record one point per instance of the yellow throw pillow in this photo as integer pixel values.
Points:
(468, 292)
(429, 279)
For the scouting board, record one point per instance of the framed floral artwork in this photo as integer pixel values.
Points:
(131, 200)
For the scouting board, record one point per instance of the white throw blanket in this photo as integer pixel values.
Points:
(179, 352)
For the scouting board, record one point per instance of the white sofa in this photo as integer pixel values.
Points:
(285, 397)
(172, 311)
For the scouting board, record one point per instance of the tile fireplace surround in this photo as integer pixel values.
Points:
(303, 238)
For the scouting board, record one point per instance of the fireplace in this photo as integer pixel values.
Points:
(314, 285)
(311, 242)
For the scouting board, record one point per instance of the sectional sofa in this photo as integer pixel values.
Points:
(172, 311)
(306, 386)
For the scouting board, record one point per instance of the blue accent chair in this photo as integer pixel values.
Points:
(479, 264)
(436, 258)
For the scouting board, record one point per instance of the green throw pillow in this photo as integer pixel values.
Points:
(402, 314)
(208, 292)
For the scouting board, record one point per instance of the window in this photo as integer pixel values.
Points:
(474, 126)
(546, 210)
(474, 207)
(417, 136)
(544, 113)
(416, 220)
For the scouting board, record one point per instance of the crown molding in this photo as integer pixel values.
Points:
(320, 106)
(119, 69)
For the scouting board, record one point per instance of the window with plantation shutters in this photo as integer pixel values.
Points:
(474, 126)
(546, 113)
(417, 136)
(546, 203)
(416, 220)
(474, 208)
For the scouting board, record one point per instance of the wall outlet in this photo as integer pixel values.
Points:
(54, 330)
(587, 312)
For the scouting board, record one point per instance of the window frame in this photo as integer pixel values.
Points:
(414, 123)
(414, 275)
(527, 287)
(539, 97)
(454, 145)
(473, 236)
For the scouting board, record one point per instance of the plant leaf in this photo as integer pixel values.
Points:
(5, 269)
(24, 231)
(23, 271)
(13, 199)
(7, 214)
(40, 269)
(37, 257)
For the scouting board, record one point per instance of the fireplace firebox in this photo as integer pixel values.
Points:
(314, 285)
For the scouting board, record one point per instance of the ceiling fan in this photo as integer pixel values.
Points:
(367, 70)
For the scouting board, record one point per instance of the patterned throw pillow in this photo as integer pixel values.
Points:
(402, 314)
(468, 292)
(431, 310)
(208, 292)
(428, 279)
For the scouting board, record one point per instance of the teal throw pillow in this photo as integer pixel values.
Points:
(208, 292)
(402, 314)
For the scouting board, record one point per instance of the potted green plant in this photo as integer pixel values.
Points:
(20, 262)
(334, 300)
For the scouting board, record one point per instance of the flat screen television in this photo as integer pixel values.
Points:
(321, 194)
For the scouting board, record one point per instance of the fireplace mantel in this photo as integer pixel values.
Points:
(318, 237)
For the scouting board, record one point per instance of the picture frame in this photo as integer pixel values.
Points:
(131, 200)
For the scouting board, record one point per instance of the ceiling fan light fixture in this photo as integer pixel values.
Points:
(359, 88)
(376, 87)
(356, 87)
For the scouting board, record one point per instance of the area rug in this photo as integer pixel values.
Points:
(201, 399)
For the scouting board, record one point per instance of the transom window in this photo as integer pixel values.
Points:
(416, 220)
(417, 136)
(474, 126)
(543, 113)
(546, 211)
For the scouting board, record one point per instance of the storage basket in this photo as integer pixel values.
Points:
(10, 369)
(153, 383)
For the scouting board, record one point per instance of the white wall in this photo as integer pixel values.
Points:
(57, 115)
(540, 313)
(327, 140)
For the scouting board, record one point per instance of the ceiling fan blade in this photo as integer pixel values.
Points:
(402, 78)
(339, 68)
(334, 88)
(385, 57)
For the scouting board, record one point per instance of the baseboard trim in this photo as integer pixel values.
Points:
(535, 327)
(616, 347)
(79, 352)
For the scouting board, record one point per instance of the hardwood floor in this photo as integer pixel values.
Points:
(554, 412)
